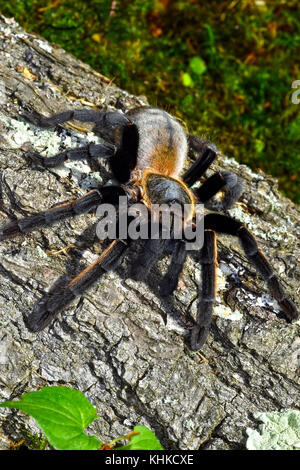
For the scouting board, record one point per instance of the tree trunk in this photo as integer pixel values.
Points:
(122, 344)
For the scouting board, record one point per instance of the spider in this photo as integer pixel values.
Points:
(146, 149)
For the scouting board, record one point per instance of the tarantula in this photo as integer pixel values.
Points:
(146, 149)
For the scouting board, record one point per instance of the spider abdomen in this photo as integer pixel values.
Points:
(162, 141)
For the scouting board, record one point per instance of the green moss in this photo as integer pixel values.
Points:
(226, 68)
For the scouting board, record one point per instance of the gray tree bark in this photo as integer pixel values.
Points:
(122, 344)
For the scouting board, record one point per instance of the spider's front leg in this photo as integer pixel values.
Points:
(225, 180)
(153, 249)
(170, 280)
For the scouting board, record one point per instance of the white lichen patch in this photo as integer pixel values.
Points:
(173, 325)
(265, 300)
(221, 310)
(2, 94)
(223, 271)
(226, 313)
(188, 424)
(42, 253)
(10, 25)
(280, 430)
(278, 233)
(262, 301)
(48, 143)
(44, 45)
(91, 181)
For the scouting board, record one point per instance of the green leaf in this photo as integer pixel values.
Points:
(144, 440)
(197, 65)
(62, 413)
(187, 80)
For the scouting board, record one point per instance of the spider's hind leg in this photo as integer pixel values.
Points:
(87, 152)
(46, 309)
(208, 259)
(224, 224)
(113, 126)
(103, 120)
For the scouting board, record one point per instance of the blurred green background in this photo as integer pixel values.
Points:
(224, 67)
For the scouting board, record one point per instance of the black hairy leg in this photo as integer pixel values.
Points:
(111, 125)
(153, 249)
(125, 158)
(208, 260)
(208, 153)
(103, 120)
(87, 152)
(199, 144)
(46, 309)
(82, 205)
(224, 224)
(225, 180)
(170, 280)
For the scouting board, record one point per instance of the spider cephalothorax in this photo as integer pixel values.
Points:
(147, 149)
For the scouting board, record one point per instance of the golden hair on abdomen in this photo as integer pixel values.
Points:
(163, 145)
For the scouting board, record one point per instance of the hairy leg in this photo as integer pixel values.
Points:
(111, 125)
(224, 224)
(46, 309)
(100, 118)
(125, 158)
(153, 249)
(208, 153)
(221, 180)
(170, 280)
(91, 200)
(208, 259)
(82, 153)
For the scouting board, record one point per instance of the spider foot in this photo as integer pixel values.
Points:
(198, 336)
(289, 309)
(45, 309)
(188, 321)
(40, 316)
(34, 117)
(35, 157)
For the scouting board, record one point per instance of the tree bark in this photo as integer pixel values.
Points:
(122, 344)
